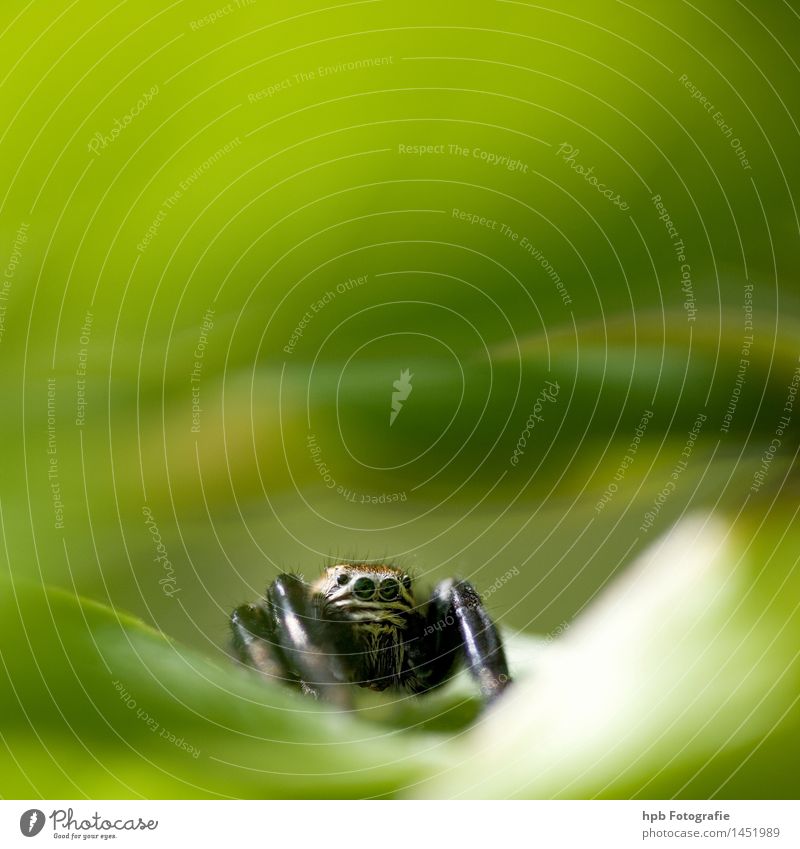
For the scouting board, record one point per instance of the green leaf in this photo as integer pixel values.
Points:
(96, 703)
(667, 685)
(680, 679)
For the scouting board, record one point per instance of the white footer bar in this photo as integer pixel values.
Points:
(403, 825)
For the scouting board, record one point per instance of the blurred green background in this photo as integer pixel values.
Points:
(187, 190)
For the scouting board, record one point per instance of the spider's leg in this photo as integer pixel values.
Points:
(254, 643)
(432, 648)
(457, 623)
(309, 642)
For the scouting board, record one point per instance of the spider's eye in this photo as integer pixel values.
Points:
(364, 588)
(390, 589)
(342, 579)
(407, 582)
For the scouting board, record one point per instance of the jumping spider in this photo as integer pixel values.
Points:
(360, 624)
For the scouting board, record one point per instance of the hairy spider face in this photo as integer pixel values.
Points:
(367, 592)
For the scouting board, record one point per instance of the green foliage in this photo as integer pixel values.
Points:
(248, 215)
(680, 680)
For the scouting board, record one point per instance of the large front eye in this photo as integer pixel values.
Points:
(390, 589)
(364, 588)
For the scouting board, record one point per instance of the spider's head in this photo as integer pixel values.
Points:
(367, 591)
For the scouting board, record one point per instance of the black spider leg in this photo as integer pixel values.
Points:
(457, 624)
(289, 633)
(254, 643)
